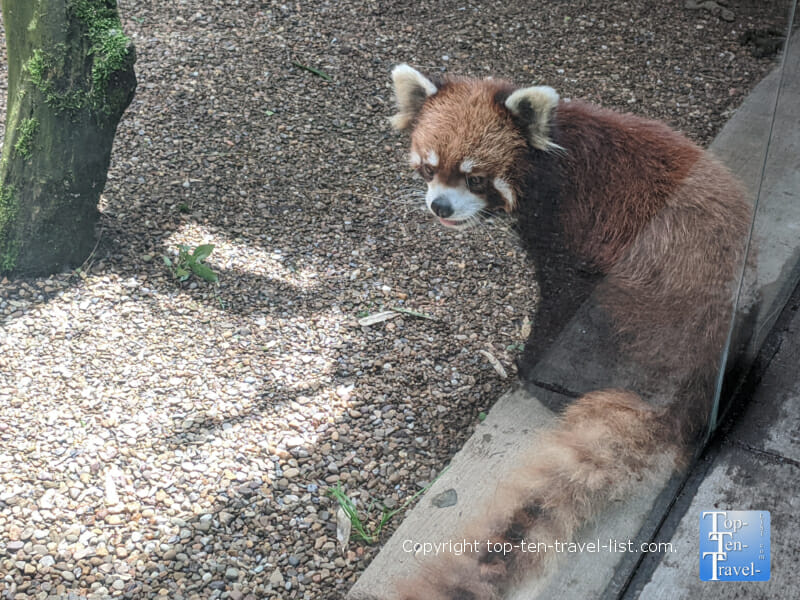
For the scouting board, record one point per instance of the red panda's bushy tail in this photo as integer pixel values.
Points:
(606, 445)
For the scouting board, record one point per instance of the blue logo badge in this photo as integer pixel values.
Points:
(734, 545)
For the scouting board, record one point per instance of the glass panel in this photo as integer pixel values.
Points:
(771, 174)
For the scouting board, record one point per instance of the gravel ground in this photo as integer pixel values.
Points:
(175, 440)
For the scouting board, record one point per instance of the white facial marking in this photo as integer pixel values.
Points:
(464, 203)
(501, 185)
(414, 159)
(432, 158)
(467, 165)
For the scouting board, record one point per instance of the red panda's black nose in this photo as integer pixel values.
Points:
(441, 207)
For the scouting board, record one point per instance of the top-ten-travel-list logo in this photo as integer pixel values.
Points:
(734, 545)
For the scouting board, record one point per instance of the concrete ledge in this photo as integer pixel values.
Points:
(578, 363)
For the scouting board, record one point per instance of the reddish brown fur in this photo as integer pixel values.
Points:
(666, 224)
(623, 169)
(672, 288)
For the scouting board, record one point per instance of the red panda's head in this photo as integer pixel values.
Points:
(469, 139)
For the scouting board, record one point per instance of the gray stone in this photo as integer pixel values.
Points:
(276, 579)
(46, 561)
(445, 499)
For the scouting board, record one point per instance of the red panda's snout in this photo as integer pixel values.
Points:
(456, 206)
(463, 194)
(464, 201)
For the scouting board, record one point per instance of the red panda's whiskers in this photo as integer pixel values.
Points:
(498, 223)
(408, 197)
(480, 222)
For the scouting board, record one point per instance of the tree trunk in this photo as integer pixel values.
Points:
(70, 78)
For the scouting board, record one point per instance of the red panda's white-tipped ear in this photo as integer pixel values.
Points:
(534, 106)
(411, 89)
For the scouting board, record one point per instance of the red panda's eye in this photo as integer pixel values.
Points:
(427, 172)
(476, 183)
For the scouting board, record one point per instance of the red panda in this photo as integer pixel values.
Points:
(605, 202)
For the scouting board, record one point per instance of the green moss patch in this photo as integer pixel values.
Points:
(7, 207)
(109, 43)
(41, 68)
(9, 248)
(25, 134)
(38, 66)
(109, 49)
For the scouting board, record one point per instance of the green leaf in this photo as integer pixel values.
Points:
(412, 313)
(317, 72)
(166, 259)
(182, 274)
(204, 272)
(203, 252)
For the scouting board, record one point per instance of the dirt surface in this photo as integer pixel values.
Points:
(172, 440)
